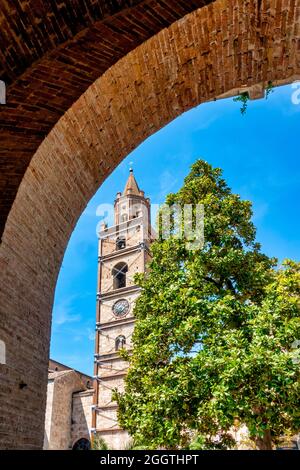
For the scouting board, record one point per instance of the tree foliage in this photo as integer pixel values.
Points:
(98, 443)
(214, 333)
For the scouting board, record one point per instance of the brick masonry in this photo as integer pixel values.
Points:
(50, 53)
(213, 51)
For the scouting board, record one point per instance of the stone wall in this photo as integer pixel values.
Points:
(48, 415)
(135, 263)
(81, 416)
(107, 424)
(61, 386)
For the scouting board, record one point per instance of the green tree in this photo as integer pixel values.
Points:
(214, 340)
(98, 443)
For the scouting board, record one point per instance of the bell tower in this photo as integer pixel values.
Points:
(123, 251)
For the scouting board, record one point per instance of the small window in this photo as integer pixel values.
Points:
(120, 243)
(119, 275)
(120, 342)
(123, 217)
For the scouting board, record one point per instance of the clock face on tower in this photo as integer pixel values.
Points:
(120, 308)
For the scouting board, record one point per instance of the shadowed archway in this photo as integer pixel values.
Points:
(214, 51)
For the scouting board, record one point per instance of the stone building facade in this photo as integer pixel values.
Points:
(78, 405)
(123, 252)
(68, 408)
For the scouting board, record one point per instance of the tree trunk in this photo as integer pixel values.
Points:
(265, 442)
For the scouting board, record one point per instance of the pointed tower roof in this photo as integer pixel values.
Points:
(131, 187)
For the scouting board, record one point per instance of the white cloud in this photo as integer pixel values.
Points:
(260, 209)
(77, 339)
(63, 312)
(91, 334)
(166, 182)
(206, 122)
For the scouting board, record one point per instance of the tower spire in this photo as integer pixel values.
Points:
(131, 186)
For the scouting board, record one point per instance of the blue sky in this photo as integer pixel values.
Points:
(259, 153)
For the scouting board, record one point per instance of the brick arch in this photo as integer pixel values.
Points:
(51, 52)
(212, 52)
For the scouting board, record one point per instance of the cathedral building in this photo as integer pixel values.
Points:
(123, 252)
(78, 406)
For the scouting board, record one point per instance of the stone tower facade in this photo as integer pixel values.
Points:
(123, 252)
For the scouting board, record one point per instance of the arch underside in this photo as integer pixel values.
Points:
(213, 51)
(51, 52)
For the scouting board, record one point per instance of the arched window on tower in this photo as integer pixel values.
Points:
(120, 243)
(120, 342)
(124, 218)
(119, 275)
